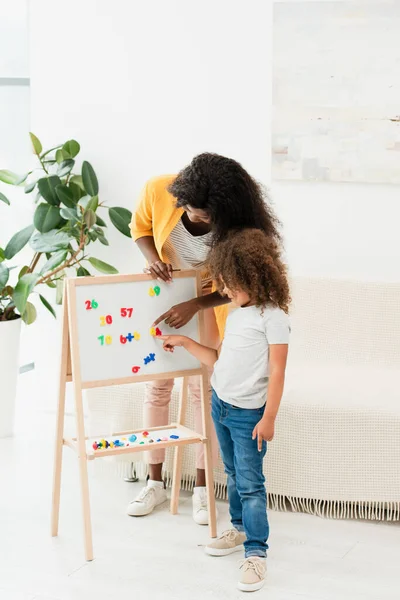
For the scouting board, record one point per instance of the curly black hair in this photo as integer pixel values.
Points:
(224, 189)
(251, 261)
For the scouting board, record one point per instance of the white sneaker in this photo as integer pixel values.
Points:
(229, 542)
(151, 496)
(253, 574)
(200, 505)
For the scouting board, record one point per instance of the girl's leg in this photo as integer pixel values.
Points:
(250, 481)
(156, 413)
(226, 444)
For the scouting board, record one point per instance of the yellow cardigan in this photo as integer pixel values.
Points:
(156, 215)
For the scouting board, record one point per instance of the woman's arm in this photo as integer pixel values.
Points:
(207, 356)
(265, 429)
(180, 314)
(156, 267)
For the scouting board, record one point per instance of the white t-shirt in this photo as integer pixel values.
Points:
(242, 370)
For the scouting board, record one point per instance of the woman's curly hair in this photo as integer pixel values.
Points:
(232, 198)
(250, 261)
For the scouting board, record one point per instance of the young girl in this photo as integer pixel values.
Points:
(247, 385)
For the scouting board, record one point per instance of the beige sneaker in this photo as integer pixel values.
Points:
(253, 574)
(230, 541)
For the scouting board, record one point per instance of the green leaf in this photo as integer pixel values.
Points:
(60, 156)
(4, 275)
(7, 291)
(51, 284)
(89, 179)
(9, 177)
(50, 242)
(48, 306)
(23, 178)
(102, 239)
(51, 150)
(66, 196)
(29, 314)
(121, 218)
(2, 255)
(59, 291)
(77, 179)
(4, 199)
(54, 261)
(77, 191)
(69, 214)
(84, 201)
(65, 167)
(30, 187)
(100, 222)
(47, 188)
(23, 271)
(46, 217)
(37, 146)
(71, 149)
(101, 266)
(89, 218)
(82, 272)
(22, 290)
(18, 241)
(93, 203)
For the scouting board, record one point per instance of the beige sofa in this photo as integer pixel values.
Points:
(337, 447)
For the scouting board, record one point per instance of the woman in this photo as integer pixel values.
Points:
(178, 218)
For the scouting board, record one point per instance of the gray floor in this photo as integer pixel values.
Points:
(162, 555)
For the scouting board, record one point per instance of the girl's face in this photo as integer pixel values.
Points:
(196, 215)
(238, 297)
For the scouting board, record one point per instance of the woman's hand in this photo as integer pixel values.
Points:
(264, 430)
(171, 341)
(160, 270)
(180, 314)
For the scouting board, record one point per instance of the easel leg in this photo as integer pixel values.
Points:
(83, 473)
(178, 452)
(205, 404)
(58, 454)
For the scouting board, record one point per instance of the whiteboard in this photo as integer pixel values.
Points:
(106, 308)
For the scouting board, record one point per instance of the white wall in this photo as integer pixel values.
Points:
(144, 86)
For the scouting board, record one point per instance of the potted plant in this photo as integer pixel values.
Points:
(66, 222)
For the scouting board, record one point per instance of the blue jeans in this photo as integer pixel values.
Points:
(244, 468)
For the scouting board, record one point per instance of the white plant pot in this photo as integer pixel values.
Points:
(9, 366)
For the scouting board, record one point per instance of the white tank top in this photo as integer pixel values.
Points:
(186, 251)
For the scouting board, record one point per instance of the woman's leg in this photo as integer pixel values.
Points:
(156, 413)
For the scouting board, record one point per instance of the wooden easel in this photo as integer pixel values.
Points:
(70, 372)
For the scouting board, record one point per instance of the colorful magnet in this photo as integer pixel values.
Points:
(153, 331)
(135, 369)
(95, 446)
(174, 437)
(158, 331)
(151, 292)
(136, 336)
(132, 438)
(157, 290)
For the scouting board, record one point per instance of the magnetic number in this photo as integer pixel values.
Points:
(123, 339)
(107, 319)
(135, 369)
(126, 312)
(91, 304)
(107, 339)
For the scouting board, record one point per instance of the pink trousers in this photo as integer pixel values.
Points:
(158, 397)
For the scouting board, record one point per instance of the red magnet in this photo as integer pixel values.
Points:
(94, 446)
(158, 331)
(145, 433)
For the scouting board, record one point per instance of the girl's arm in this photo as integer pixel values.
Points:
(207, 356)
(264, 430)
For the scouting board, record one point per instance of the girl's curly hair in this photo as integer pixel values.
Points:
(250, 261)
(223, 188)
